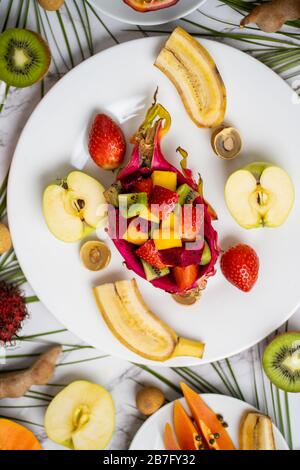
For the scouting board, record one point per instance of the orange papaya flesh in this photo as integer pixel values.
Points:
(203, 414)
(170, 440)
(184, 429)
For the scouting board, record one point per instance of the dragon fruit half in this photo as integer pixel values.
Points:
(147, 157)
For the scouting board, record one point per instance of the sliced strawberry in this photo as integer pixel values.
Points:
(240, 266)
(163, 202)
(144, 186)
(185, 277)
(149, 253)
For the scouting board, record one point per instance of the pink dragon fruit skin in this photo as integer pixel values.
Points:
(127, 250)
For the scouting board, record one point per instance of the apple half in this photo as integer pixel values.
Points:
(260, 195)
(74, 208)
(81, 417)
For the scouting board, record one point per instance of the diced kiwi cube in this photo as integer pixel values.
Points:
(153, 273)
(186, 194)
(131, 205)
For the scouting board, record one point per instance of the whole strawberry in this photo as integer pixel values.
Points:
(107, 145)
(240, 266)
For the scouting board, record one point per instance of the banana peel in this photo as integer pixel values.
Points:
(257, 432)
(194, 73)
(136, 327)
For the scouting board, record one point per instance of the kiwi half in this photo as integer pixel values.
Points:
(281, 361)
(24, 57)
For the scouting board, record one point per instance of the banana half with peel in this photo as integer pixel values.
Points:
(195, 75)
(134, 325)
(257, 432)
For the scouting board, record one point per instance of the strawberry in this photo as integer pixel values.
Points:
(149, 253)
(107, 145)
(185, 277)
(163, 201)
(144, 186)
(240, 266)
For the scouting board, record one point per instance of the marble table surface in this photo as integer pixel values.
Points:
(79, 361)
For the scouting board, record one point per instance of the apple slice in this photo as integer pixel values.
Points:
(75, 208)
(81, 417)
(260, 195)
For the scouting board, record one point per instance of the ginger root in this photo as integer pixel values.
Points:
(16, 384)
(271, 16)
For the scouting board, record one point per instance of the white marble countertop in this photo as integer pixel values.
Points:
(121, 378)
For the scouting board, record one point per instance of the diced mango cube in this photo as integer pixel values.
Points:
(165, 239)
(166, 179)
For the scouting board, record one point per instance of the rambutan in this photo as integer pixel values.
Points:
(13, 311)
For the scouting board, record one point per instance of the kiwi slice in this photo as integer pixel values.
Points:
(24, 57)
(281, 361)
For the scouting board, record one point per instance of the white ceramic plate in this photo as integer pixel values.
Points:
(54, 141)
(118, 10)
(151, 435)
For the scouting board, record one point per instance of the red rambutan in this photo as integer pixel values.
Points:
(13, 311)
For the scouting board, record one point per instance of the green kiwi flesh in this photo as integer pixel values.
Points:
(24, 57)
(281, 361)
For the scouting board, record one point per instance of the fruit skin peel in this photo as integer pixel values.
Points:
(156, 125)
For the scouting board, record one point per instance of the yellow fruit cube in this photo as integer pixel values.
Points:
(166, 179)
(135, 236)
(171, 223)
(165, 239)
(147, 215)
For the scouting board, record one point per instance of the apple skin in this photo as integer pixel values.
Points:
(277, 190)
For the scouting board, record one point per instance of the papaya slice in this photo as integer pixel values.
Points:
(184, 429)
(207, 421)
(170, 439)
(13, 436)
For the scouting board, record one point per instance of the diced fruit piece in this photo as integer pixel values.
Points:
(192, 222)
(107, 144)
(163, 202)
(170, 440)
(202, 413)
(132, 204)
(184, 428)
(171, 223)
(281, 361)
(206, 255)
(181, 256)
(13, 436)
(144, 6)
(75, 208)
(130, 320)
(149, 253)
(145, 185)
(260, 195)
(186, 194)
(81, 417)
(185, 277)
(137, 231)
(112, 194)
(148, 215)
(256, 432)
(154, 273)
(240, 266)
(165, 179)
(195, 75)
(165, 240)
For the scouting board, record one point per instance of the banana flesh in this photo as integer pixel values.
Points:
(195, 75)
(257, 433)
(134, 325)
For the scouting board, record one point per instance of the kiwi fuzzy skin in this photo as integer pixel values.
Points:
(12, 79)
(275, 351)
